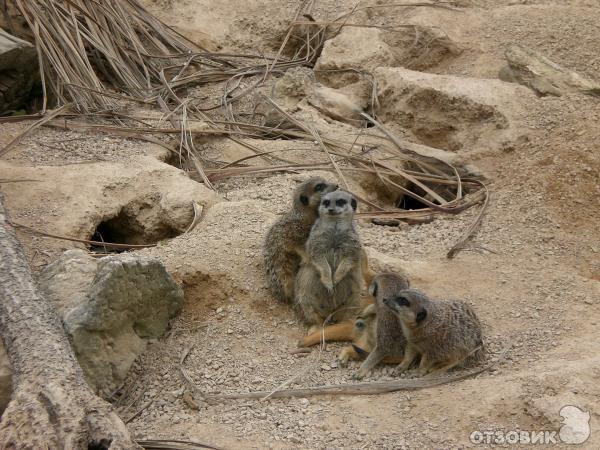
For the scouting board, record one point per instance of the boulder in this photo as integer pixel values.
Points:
(353, 48)
(357, 49)
(110, 307)
(298, 90)
(453, 113)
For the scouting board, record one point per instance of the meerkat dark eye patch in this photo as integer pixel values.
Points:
(401, 301)
(421, 315)
(319, 187)
(340, 202)
(360, 324)
(326, 202)
(354, 204)
(304, 200)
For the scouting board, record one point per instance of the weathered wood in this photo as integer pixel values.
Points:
(369, 388)
(52, 406)
(18, 72)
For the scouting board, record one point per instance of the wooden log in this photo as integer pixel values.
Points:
(52, 406)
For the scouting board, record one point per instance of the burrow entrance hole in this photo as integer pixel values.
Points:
(391, 198)
(140, 222)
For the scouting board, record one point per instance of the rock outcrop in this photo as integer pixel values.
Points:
(452, 113)
(110, 307)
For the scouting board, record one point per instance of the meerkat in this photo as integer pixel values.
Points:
(390, 342)
(364, 336)
(444, 333)
(284, 245)
(329, 282)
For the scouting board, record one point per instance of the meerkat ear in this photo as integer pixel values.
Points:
(421, 315)
(304, 200)
(353, 203)
(373, 289)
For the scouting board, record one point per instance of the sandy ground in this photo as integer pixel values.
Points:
(533, 278)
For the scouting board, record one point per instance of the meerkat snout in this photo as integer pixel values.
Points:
(338, 203)
(401, 306)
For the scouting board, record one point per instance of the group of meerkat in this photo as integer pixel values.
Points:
(314, 259)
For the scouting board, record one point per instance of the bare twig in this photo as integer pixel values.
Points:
(83, 241)
(470, 232)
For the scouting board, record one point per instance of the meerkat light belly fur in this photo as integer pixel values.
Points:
(329, 283)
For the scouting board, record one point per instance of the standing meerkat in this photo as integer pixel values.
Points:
(390, 342)
(284, 246)
(329, 282)
(444, 333)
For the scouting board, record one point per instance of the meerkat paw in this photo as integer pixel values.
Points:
(342, 361)
(400, 369)
(424, 371)
(338, 277)
(343, 358)
(357, 376)
(327, 282)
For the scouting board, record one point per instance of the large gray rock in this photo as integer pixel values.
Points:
(110, 307)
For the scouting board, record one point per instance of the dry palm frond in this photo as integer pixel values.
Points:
(95, 55)
(79, 40)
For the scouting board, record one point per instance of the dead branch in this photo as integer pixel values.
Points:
(370, 388)
(470, 232)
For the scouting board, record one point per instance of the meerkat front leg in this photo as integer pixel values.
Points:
(410, 354)
(424, 365)
(324, 270)
(345, 266)
(374, 358)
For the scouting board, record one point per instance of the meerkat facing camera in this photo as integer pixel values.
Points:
(444, 333)
(329, 282)
(284, 245)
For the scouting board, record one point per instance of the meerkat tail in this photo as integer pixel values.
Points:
(336, 332)
(367, 273)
